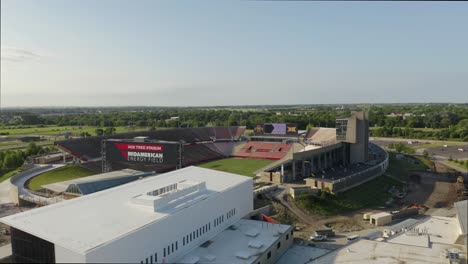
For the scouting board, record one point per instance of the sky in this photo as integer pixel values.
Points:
(210, 53)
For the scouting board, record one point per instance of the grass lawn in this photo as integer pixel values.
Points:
(401, 169)
(8, 175)
(370, 194)
(428, 129)
(68, 172)
(51, 130)
(245, 167)
(464, 167)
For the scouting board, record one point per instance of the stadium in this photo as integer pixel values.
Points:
(335, 159)
(146, 182)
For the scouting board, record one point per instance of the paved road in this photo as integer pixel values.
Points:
(416, 139)
(26, 194)
(20, 182)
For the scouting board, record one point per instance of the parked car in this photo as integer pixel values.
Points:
(353, 237)
(318, 238)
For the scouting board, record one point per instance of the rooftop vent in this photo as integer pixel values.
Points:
(256, 244)
(253, 232)
(243, 254)
(210, 258)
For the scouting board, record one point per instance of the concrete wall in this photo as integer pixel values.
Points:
(297, 191)
(360, 132)
(285, 240)
(275, 177)
(63, 255)
(381, 220)
(144, 242)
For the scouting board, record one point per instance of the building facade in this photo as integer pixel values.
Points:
(152, 220)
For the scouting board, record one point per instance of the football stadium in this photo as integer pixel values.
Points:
(336, 159)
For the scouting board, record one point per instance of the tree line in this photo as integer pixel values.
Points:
(450, 121)
(12, 159)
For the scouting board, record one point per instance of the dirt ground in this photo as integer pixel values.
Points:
(433, 190)
(4, 239)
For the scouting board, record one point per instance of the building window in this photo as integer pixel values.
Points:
(168, 250)
(209, 226)
(146, 261)
(172, 247)
(151, 259)
(164, 252)
(279, 245)
(292, 232)
(269, 255)
(190, 237)
(156, 257)
(287, 236)
(176, 246)
(183, 241)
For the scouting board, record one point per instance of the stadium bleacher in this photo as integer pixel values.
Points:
(264, 150)
(197, 153)
(88, 149)
(224, 148)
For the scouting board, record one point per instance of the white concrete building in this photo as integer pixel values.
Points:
(165, 218)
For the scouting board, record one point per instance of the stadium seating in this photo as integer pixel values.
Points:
(197, 153)
(224, 148)
(264, 150)
(89, 148)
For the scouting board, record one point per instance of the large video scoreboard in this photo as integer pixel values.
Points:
(164, 153)
(276, 129)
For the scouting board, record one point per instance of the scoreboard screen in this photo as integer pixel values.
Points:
(136, 152)
(276, 129)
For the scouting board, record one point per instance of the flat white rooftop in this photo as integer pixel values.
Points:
(82, 224)
(240, 244)
(371, 252)
(438, 229)
(301, 254)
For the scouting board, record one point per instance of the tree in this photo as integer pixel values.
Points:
(99, 131)
(85, 134)
(399, 147)
(109, 131)
(425, 153)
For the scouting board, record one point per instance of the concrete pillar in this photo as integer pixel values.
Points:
(303, 169)
(326, 159)
(311, 166)
(294, 170)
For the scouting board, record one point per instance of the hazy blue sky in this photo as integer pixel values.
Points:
(181, 53)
